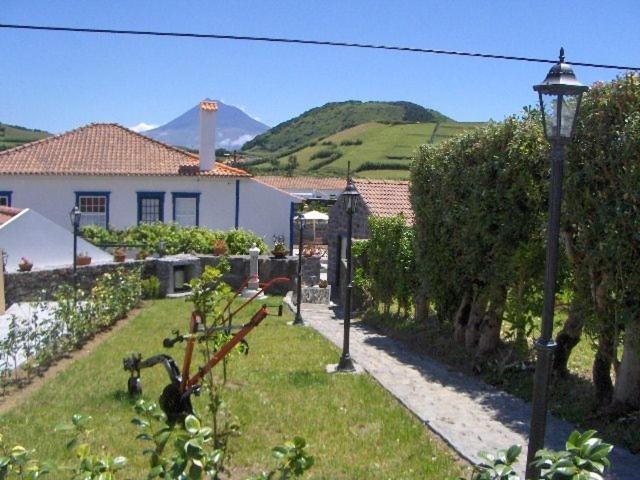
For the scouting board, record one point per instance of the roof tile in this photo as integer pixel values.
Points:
(386, 198)
(315, 183)
(105, 149)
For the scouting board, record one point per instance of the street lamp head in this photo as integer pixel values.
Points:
(560, 95)
(74, 216)
(350, 197)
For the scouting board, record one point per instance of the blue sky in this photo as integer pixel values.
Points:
(58, 81)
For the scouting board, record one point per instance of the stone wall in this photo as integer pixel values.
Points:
(40, 284)
(268, 268)
(336, 234)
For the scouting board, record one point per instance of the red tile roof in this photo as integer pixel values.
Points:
(312, 183)
(386, 198)
(6, 213)
(105, 149)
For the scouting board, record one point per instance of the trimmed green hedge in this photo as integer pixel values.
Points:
(176, 239)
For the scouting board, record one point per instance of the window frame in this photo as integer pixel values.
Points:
(105, 194)
(177, 195)
(154, 196)
(7, 194)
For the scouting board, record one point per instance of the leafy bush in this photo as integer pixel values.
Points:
(347, 143)
(381, 166)
(387, 259)
(322, 163)
(177, 239)
(150, 287)
(585, 458)
(324, 153)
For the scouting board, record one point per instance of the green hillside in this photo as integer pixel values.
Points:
(335, 117)
(375, 150)
(12, 135)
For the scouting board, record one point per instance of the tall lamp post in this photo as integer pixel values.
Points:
(350, 198)
(301, 224)
(560, 95)
(74, 217)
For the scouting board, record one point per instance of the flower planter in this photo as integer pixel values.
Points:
(82, 260)
(25, 267)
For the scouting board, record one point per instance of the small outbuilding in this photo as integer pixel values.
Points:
(26, 233)
(378, 198)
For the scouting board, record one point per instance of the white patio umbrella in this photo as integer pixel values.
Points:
(314, 216)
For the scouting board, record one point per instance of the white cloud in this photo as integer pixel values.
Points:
(143, 127)
(235, 142)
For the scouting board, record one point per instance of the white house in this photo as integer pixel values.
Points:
(120, 178)
(26, 233)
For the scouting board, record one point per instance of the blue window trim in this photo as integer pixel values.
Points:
(155, 195)
(237, 220)
(196, 195)
(83, 193)
(6, 193)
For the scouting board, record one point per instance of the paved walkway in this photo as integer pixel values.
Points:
(467, 413)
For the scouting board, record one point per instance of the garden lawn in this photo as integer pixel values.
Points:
(354, 428)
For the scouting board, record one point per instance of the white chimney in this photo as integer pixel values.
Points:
(207, 155)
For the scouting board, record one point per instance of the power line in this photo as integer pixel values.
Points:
(213, 36)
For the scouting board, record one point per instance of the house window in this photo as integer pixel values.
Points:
(94, 207)
(186, 209)
(150, 207)
(5, 199)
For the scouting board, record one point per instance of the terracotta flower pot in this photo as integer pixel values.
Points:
(83, 260)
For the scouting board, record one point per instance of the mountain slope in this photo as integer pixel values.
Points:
(233, 128)
(334, 117)
(13, 135)
(374, 150)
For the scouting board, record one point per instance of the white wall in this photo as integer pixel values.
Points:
(263, 209)
(43, 242)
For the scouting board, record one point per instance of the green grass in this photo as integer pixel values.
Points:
(381, 143)
(12, 136)
(354, 428)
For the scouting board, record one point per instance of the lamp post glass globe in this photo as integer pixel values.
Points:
(560, 94)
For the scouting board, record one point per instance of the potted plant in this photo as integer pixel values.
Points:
(220, 247)
(323, 284)
(279, 250)
(119, 255)
(25, 265)
(83, 258)
(142, 254)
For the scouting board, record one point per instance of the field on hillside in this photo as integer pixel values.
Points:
(12, 136)
(375, 150)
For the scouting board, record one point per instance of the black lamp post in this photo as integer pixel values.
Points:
(560, 95)
(5, 258)
(74, 217)
(301, 224)
(350, 198)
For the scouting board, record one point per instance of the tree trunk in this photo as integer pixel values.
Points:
(627, 389)
(476, 315)
(568, 338)
(491, 325)
(606, 342)
(462, 318)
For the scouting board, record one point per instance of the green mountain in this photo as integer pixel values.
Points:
(13, 135)
(334, 117)
(373, 149)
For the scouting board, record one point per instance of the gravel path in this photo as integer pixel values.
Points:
(467, 413)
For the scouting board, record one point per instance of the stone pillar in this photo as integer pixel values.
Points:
(2, 304)
(253, 285)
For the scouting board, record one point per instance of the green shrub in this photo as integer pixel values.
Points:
(324, 153)
(381, 166)
(177, 239)
(322, 163)
(150, 287)
(347, 143)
